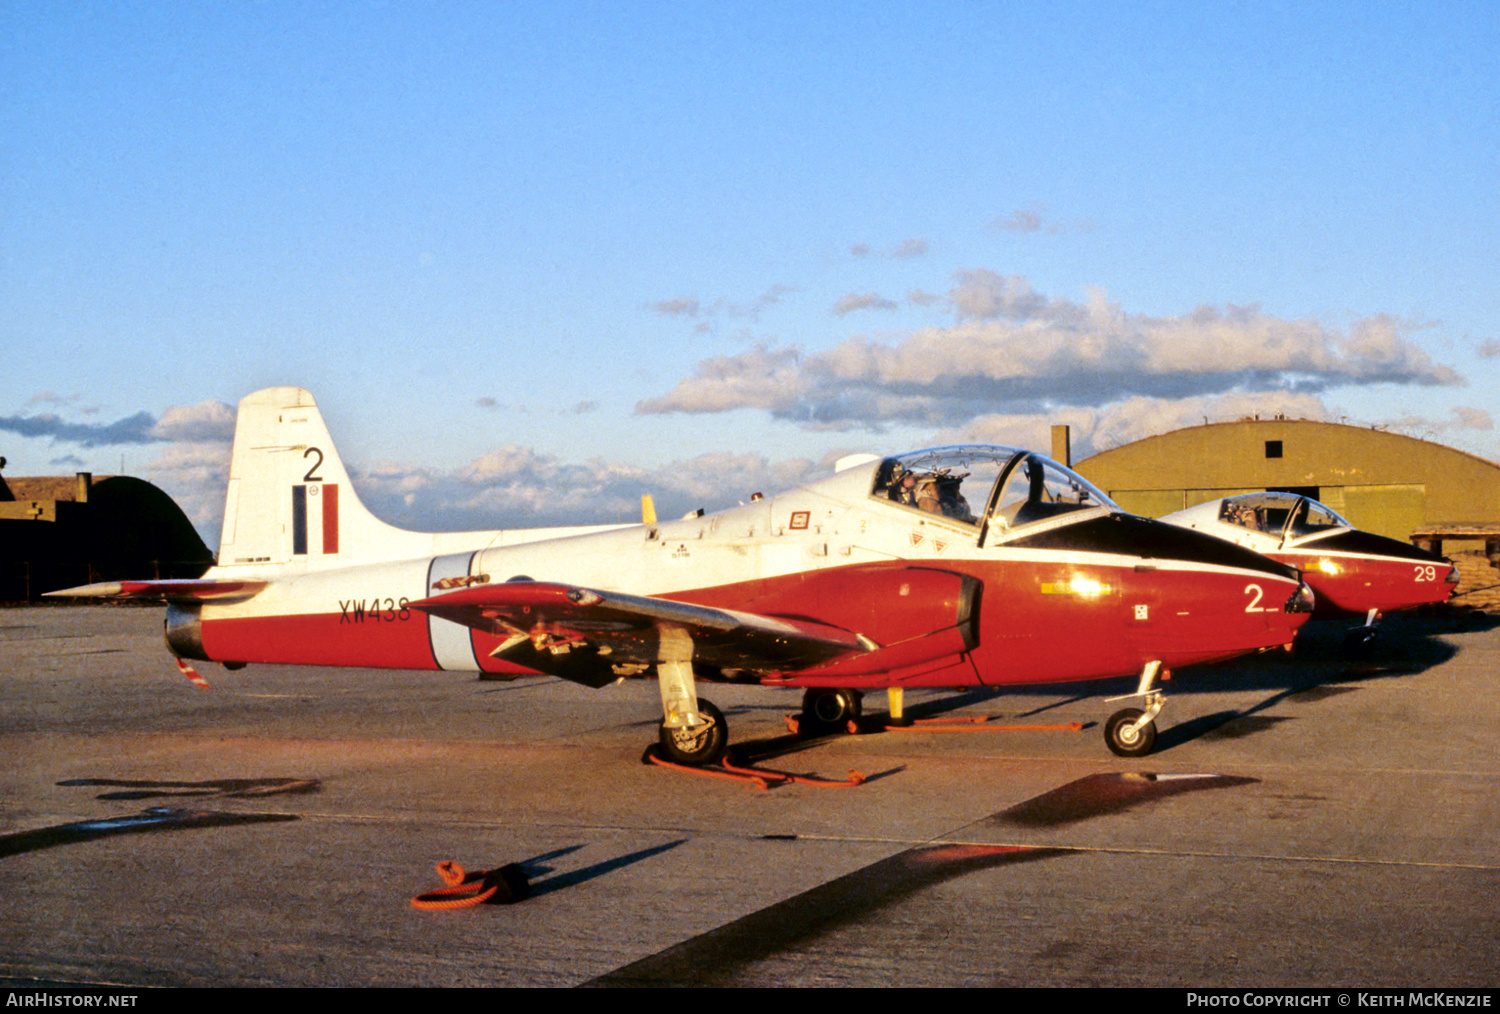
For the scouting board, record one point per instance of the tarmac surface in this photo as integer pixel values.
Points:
(1306, 820)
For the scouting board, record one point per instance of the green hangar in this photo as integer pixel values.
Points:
(1380, 481)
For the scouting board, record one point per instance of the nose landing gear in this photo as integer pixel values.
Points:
(1131, 732)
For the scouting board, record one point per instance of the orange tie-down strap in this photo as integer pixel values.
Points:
(503, 886)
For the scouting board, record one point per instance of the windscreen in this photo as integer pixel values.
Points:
(1013, 487)
(1279, 514)
(1037, 489)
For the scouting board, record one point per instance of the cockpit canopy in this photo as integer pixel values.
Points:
(1285, 516)
(1011, 488)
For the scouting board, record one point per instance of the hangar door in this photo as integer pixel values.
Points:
(1392, 510)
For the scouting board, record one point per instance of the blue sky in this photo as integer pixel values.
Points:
(536, 259)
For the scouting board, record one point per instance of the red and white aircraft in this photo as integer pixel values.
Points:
(954, 567)
(1351, 572)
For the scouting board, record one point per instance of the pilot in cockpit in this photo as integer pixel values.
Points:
(938, 493)
(934, 492)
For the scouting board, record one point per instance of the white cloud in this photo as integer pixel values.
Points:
(195, 475)
(1465, 417)
(691, 308)
(862, 301)
(1034, 219)
(681, 307)
(207, 420)
(905, 250)
(1020, 220)
(520, 487)
(1014, 350)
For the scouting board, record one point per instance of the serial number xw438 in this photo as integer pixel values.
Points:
(376, 610)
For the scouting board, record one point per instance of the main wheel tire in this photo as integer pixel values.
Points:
(1125, 742)
(696, 747)
(830, 708)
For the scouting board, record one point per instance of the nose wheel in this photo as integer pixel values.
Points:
(1131, 732)
(1360, 643)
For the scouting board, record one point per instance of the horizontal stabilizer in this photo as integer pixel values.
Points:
(172, 591)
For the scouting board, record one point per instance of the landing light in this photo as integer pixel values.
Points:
(1329, 567)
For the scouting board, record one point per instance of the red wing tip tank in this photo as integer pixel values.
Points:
(952, 567)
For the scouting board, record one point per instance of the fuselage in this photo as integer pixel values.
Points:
(1350, 571)
(1068, 591)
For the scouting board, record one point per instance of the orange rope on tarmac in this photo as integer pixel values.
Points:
(502, 886)
(757, 777)
(752, 778)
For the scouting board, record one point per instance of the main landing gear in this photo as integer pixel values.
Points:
(1131, 732)
(693, 732)
(696, 745)
(705, 742)
(826, 709)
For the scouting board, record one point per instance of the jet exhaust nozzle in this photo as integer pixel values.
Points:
(184, 631)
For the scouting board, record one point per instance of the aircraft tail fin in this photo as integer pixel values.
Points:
(290, 500)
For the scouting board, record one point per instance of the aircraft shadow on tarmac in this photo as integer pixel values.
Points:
(722, 956)
(537, 866)
(152, 819)
(1321, 666)
(159, 818)
(230, 788)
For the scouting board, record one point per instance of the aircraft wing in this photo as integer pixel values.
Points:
(171, 590)
(595, 637)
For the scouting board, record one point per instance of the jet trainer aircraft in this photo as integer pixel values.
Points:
(1351, 572)
(954, 567)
